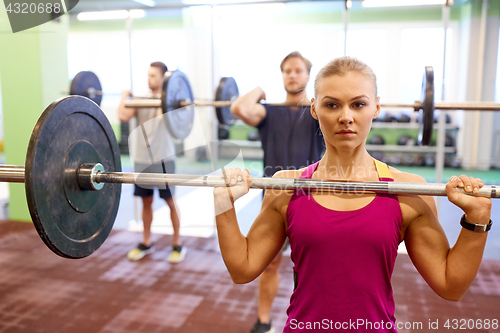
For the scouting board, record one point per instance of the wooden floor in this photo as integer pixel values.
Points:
(41, 292)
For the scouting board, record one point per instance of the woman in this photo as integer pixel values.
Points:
(344, 245)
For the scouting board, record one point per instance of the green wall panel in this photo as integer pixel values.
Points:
(33, 70)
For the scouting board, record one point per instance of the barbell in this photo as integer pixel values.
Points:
(222, 104)
(175, 88)
(87, 84)
(72, 177)
(177, 95)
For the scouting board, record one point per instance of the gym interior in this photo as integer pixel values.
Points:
(41, 291)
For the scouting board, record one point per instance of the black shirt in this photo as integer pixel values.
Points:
(291, 138)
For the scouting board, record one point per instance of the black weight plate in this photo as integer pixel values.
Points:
(179, 120)
(71, 131)
(84, 81)
(427, 111)
(226, 91)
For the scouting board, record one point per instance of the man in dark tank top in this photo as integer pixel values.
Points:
(291, 139)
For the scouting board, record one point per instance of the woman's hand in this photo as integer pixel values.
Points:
(225, 196)
(477, 209)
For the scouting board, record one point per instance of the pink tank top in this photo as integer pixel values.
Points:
(343, 263)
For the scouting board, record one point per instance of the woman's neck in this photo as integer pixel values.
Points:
(355, 164)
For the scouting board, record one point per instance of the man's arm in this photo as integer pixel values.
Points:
(125, 114)
(248, 108)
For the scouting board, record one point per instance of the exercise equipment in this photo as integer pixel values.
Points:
(176, 99)
(403, 117)
(427, 110)
(178, 95)
(406, 140)
(253, 136)
(436, 117)
(87, 84)
(177, 102)
(72, 222)
(200, 154)
(179, 120)
(449, 141)
(385, 117)
(222, 132)
(226, 91)
(72, 178)
(376, 140)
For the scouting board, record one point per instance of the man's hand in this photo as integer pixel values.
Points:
(126, 94)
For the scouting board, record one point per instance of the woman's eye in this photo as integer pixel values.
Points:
(359, 104)
(331, 105)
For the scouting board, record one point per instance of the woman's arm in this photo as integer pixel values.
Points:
(448, 271)
(247, 257)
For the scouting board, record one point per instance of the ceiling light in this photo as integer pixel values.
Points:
(249, 9)
(149, 3)
(208, 2)
(110, 15)
(399, 3)
(107, 15)
(136, 13)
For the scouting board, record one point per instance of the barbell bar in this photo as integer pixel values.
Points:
(156, 102)
(177, 96)
(179, 118)
(93, 176)
(469, 106)
(397, 188)
(72, 177)
(176, 87)
(426, 106)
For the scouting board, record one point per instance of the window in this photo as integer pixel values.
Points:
(422, 47)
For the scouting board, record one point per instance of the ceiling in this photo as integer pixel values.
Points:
(101, 5)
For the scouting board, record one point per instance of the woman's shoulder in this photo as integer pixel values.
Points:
(289, 173)
(405, 177)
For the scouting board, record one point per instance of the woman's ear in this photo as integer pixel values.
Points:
(377, 112)
(313, 109)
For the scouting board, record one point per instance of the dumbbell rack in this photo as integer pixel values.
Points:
(422, 151)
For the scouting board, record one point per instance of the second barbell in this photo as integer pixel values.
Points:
(177, 95)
